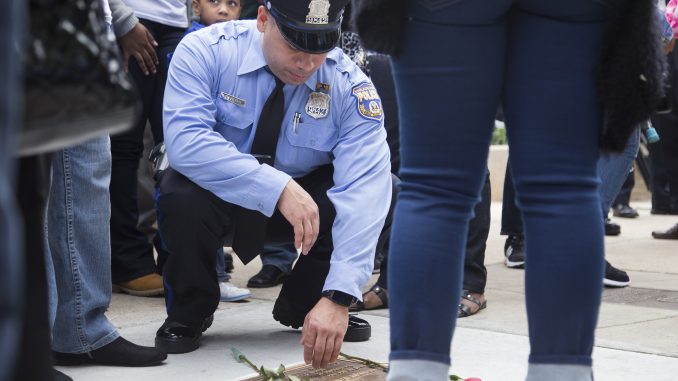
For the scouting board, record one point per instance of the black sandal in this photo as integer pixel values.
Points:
(464, 310)
(377, 290)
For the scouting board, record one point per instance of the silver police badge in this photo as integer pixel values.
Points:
(318, 12)
(318, 105)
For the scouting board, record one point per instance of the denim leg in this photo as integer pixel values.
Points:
(222, 275)
(553, 119)
(78, 216)
(448, 99)
(613, 170)
(281, 256)
(624, 195)
(11, 258)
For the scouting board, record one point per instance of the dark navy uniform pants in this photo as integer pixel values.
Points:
(194, 223)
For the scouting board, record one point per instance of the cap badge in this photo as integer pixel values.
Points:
(318, 12)
(318, 105)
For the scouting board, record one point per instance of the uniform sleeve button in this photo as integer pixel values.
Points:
(260, 206)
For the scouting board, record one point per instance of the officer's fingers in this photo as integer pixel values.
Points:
(315, 225)
(319, 351)
(298, 235)
(309, 237)
(141, 63)
(329, 351)
(308, 336)
(338, 341)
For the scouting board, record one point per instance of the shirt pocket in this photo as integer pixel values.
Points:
(313, 135)
(234, 122)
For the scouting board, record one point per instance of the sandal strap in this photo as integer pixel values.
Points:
(467, 295)
(381, 294)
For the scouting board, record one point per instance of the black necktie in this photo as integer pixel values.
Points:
(268, 129)
(250, 225)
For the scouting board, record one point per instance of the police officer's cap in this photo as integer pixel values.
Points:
(313, 26)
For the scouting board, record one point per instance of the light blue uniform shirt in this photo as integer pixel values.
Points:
(216, 87)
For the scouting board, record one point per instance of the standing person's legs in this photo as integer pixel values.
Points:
(624, 195)
(550, 74)
(78, 214)
(34, 356)
(131, 253)
(11, 247)
(475, 273)
(445, 137)
(613, 170)
(511, 219)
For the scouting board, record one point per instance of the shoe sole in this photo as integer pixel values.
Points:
(236, 298)
(514, 265)
(615, 283)
(74, 360)
(152, 292)
(267, 285)
(360, 333)
(174, 347)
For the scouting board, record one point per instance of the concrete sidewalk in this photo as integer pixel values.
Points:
(637, 336)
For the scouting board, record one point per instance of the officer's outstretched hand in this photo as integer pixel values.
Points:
(323, 333)
(140, 44)
(298, 207)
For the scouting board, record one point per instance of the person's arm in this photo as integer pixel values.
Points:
(361, 196)
(195, 149)
(135, 40)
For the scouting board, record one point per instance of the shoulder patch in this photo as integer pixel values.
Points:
(368, 101)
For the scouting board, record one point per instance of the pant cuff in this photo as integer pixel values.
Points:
(417, 370)
(559, 372)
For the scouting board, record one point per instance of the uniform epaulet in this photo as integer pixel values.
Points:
(226, 30)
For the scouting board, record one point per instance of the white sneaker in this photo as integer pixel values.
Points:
(231, 293)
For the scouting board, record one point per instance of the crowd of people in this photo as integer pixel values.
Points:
(296, 130)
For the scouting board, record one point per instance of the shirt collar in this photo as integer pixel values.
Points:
(254, 58)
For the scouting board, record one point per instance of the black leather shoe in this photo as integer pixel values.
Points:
(120, 352)
(268, 276)
(624, 211)
(611, 229)
(671, 233)
(173, 337)
(58, 376)
(358, 329)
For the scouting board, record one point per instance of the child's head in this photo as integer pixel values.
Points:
(214, 11)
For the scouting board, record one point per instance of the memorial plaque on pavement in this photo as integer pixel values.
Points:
(341, 370)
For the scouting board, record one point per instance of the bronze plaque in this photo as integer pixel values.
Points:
(340, 370)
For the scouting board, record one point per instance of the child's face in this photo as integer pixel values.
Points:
(214, 11)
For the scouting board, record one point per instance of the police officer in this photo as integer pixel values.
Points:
(273, 136)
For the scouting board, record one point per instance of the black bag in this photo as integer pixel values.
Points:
(75, 86)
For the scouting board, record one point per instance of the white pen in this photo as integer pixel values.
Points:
(295, 121)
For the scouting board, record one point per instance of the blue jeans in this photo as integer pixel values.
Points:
(222, 275)
(459, 62)
(281, 256)
(613, 170)
(78, 247)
